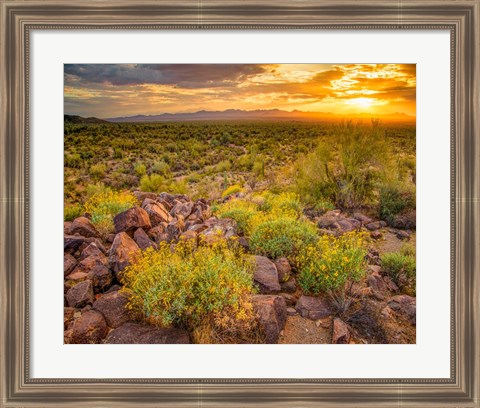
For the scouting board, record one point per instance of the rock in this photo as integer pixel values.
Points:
(289, 286)
(266, 275)
(92, 249)
(341, 332)
(110, 238)
(142, 195)
(391, 286)
(283, 268)
(373, 226)
(271, 314)
(83, 227)
(69, 263)
(376, 235)
(142, 239)
(159, 233)
(333, 213)
(80, 295)
(345, 225)
(405, 221)
(362, 218)
(113, 288)
(122, 252)
(290, 299)
(156, 211)
(291, 311)
(313, 308)
(174, 229)
(189, 236)
(169, 198)
(405, 305)
(74, 243)
(113, 307)
(131, 219)
(183, 209)
(87, 264)
(402, 235)
(376, 282)
(101, 278)
(68, 313)
(132, 333)
(89, 328)
(328, 222)
(198, 228)
(75, 277)
(218, 229)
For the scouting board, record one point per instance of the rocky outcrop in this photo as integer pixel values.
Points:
(266, 275)
(113, 306)
(80, 295)
(271, 314)
(121, 253)
(313, 307)
(128, 221)
(83, 227)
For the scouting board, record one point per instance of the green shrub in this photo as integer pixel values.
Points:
(107, 203)
(207, 291)
(154, 183)
(73, 161)
(231, 190)
(70, 212)
(285, 204)
(323, 206)
(400, 267)
(329, 263)
(282, 237)
(161, 167)
(223, 166)
(393, 201)
(98, 170)
(241, 211)
(140, 169)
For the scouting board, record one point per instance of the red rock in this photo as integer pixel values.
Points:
(266, 275)
(92, 249)
(132, 333)
(69, 263)
(87, 264)
(156, 211)
(284, 269)
(80, 295)
(405, 305)
(313, 307)
(341, 332)
(123, 251)
(113, 307)
(142, 239)
(89, 328)
(271, 313)
(373, 226)
(101, 278)
(131, 219)
(83, 227)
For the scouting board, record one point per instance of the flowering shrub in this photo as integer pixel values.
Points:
(330, 262)
(206, 290)
(282, 237)
(105, 204)
(231, 190)
(401, 267)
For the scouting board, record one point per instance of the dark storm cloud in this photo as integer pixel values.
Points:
(182, 75)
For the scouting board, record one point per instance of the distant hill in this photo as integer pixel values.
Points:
(261, 114)
(80, 119)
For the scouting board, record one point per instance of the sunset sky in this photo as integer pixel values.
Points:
(111, 90)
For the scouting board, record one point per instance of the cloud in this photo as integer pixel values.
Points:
(182, 75)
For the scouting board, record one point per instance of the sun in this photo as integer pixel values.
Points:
(361, 102)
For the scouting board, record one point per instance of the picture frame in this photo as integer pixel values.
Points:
(18, 18)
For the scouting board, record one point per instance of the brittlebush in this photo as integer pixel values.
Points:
(329, 263)
(205, 290)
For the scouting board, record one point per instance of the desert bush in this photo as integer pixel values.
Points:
(70, 212)
(107, 203)
(394, 200)
(161, 167)
(346, 172)
(231, 190)
(207, 290)
(329, 263)
(98, 170)
(242, 211)
(401, 268)
(154, 183)
(140, 169)
(73, 160)
(323, 206)
(282, 237)
(284, 204)
(223, 166)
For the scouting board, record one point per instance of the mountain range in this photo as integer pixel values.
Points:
(260, 114)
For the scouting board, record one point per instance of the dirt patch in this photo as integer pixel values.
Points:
(390, 243)
(305, 331)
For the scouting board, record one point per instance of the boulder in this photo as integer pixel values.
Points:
(346, 226)
(405, 221)
(217, 229)
(83, 227)
(404, 305)
(74, 243)
(68, 313)
(283, 268)
(174, 228)
(69, 263)
(80, 295)
(142, 195)
(373, 226)
(113, 306)
(142, 239)
(289, 286)
(328, 222)
(362, 218)
(87, 264)
(266, 275)
(131, 219)
(132, 333)
(341, 332)
(376, 235)
(271, 314)
(122, 252)
(312, 307)
(159, 233)
(402, 234)
(189, 236)
(198, 228)
(101, 278)
(92, 249)
(376, 282)
(89, 328)
(156, 211)
(183, 209)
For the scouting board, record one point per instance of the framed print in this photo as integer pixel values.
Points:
(260, 204)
